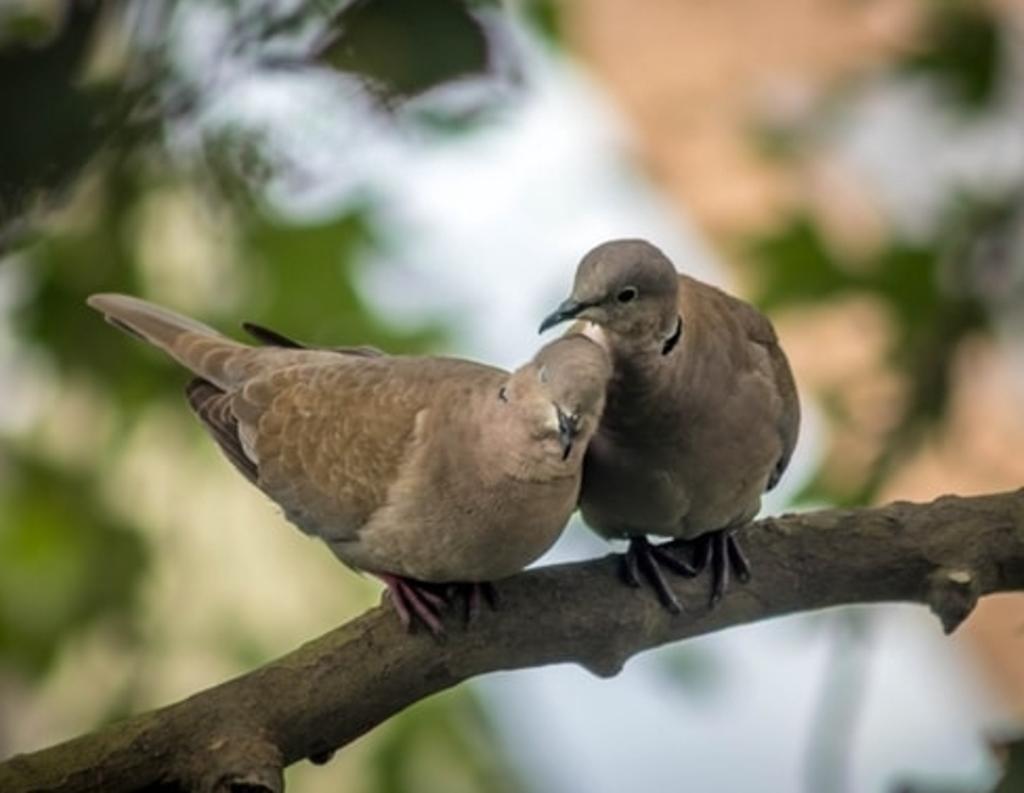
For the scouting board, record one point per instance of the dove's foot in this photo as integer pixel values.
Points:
(475, 593)
(645, 560)
(422, 602)
(415, 601)
(721, 551)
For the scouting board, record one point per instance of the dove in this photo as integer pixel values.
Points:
(421, 471)
(701, 416)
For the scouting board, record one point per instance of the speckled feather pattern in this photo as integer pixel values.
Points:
(438, 469)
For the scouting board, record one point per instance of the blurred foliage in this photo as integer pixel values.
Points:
(304, 275)
(65, 265)
(405, 47)
(1011, 758)
(97, 193)
(962, 53)
(45, 151)
(930, 292)
(839, 710)
(937, 290)
(64, 562)
(443, 743)
(963, 56)
(693, 670)
(546, 18)
(396, 49)
(1013, 765)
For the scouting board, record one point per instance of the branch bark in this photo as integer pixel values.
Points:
(240, 734)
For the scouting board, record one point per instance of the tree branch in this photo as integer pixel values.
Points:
(239, 735)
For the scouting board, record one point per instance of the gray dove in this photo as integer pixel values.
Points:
(422, 471)
(701, 416)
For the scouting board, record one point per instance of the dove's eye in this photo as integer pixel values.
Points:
(627, 295)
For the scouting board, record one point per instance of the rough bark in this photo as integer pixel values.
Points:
(240, 734)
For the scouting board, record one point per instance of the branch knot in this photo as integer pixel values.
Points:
(238, 762)
(952, 595)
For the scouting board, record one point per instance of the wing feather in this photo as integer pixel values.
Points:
(213, 407)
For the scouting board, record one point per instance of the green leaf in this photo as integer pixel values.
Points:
(1013, 778)
(403, 48)
(53, 124)
(546, 18)
(94, 254)
(963, 53)
(795, 266)
(930, 290)
(303, 283)
(65, 562)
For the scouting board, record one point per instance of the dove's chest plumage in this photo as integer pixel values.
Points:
(472, 528)
(689, 440)
(455, 511)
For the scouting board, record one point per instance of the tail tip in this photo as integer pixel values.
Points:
(101, 300)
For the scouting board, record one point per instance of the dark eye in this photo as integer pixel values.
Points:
(627, 294)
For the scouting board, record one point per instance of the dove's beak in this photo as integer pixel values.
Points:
(568, 309)
(568, 429)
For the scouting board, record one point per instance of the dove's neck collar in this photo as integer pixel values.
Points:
(651, 345)
(670, 343)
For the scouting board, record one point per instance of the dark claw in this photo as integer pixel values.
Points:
(628, 569)
(643, 558)
(475, 593)
(472, 606)
(435, 599)
(666, 559)
(419, 602)
(423, 606)
(738, 559)
(400, 609)
(720, 551)
(414, 600)
(490, 595)
(719, 567)
(702, 552)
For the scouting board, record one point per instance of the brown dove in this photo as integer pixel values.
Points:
(419, 470)
(701, 416)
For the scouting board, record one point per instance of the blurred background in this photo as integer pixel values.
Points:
(424, 176)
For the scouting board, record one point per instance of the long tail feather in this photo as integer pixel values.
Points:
(194, 345)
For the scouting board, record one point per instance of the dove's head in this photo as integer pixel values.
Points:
(561, 392)
(629, 288)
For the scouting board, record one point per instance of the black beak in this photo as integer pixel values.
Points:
(567, 310)
(568, 429)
